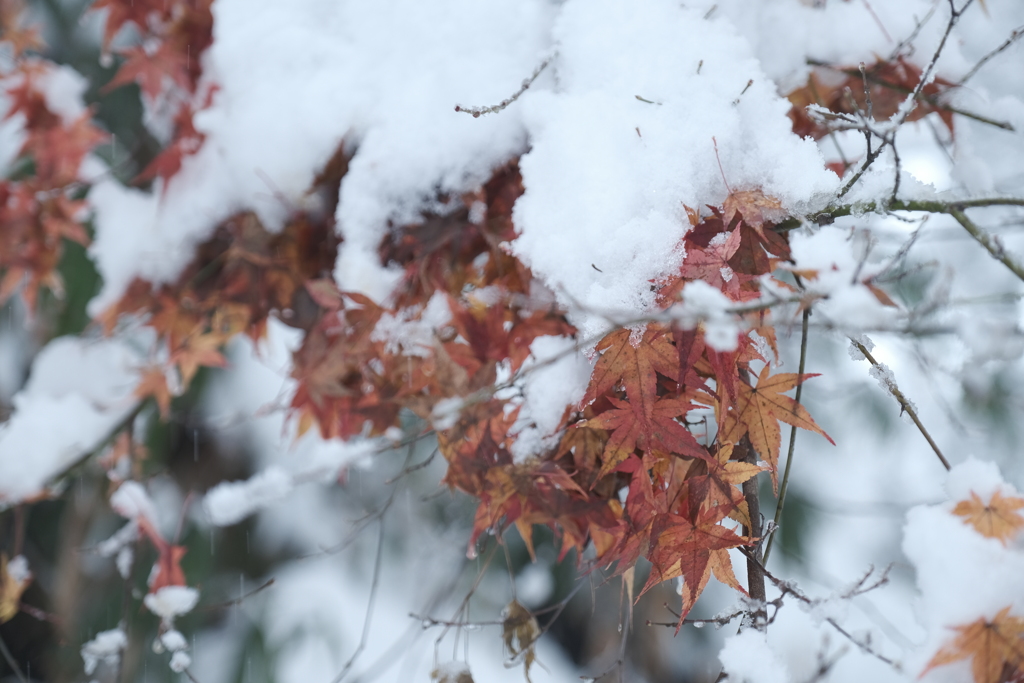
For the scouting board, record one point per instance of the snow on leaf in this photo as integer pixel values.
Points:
(996, 519)
(105, 647)
(995, 647)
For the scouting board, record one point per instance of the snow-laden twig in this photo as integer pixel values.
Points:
(884, 376)
(477, 112)
(858, 588)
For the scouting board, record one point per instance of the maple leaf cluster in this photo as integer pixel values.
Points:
(40, 202)
(167, 66)
(239, 277)
(626, 474)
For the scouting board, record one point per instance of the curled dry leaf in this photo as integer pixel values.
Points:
(519, 631)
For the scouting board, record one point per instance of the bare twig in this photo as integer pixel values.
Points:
(477, 112)
(240, 599)
(1017, 33)
(990, 242)
(926, 76)
(374, 585)
(905, 404)
(859, 588)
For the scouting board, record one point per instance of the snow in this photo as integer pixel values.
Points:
(180, 661)
(78, 392)
(607, 175)
(746, 658)
(411, 331)
(18, 570)
(171, 640)
(105, 647)
(702, 303)
(554, 378)
(383, 76)
(171, 601)
(63, 88)
(131, 501)
(231, 502)
(119, 545)
(446, 412)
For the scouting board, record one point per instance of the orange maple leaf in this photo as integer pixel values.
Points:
(997, 648)
(153, 383)
(998, 519)
(199, 350)
(758, 413)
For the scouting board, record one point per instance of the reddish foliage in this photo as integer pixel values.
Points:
(841, 90)
(40, 211)
(168, 60)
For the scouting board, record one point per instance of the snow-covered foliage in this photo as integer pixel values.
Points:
(352, 253)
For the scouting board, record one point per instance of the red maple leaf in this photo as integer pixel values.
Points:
(649, 426)
(152, 70)
(688, 549)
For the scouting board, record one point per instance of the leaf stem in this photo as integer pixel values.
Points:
(792, 437)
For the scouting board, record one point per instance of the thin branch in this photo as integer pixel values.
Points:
(908, 42)
(991, 243)
(857, 589)
(926, 76)
(830, 214)
(784, 488)
(903, 401)
(870, 159)
(11, 662)
(1017, 33)
(239, 600)
(477, 112)
(374, 584)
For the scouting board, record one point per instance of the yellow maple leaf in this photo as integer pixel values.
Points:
(12, 585)
(996, 648)
(999, 519)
